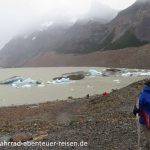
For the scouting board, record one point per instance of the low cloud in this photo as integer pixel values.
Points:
(19, 15)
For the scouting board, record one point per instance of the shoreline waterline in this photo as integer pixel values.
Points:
(10, 96)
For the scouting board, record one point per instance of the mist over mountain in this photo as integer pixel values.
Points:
(55, 34)
(100, 12)
(97, 30)
(22, 16)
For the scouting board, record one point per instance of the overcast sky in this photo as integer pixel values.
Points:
(17, 15)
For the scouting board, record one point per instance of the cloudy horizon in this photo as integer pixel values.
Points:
(18, 15)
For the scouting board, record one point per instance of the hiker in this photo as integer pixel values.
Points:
(142, 108)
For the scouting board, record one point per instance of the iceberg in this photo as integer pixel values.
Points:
(26, 86)
(41, 85)
(127, 74)
(116, 81)
(93, 72)
(12, 80)
(60, 81)
(18, 81)
(135, 74)
(24, 83)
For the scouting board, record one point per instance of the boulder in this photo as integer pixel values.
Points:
(111, 72)
(21, 137)
(76, 76)
(72, 76)
(57, 78)
(40, 135)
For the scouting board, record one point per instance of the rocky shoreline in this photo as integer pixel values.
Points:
(104, 122)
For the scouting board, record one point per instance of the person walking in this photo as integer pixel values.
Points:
(142, 108)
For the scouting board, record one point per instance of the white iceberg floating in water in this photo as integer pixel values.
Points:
(116, 81)
(41, 85)
(25, 83)
(26, 86)
(12, 80)
(61, 81)
(126, 74)
(18, 82)
(145, 73)
(93, 72)
(135, 74)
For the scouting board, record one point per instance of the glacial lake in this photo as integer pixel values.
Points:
(51, 92)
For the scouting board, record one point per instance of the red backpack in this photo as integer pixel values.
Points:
(146, 118)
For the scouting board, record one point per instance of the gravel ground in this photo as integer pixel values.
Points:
(104, 122)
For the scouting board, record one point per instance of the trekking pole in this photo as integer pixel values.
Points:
(138, 131)
(138, 124)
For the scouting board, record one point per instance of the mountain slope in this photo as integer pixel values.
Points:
(23, 48)
(131, 28)
(129, 57)
(79, 37)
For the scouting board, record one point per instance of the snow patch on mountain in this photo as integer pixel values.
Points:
(34, 38)
(45, 25)
(25, 36)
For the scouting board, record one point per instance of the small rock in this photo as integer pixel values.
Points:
(43, 133)
(5, 138)
(70, 97)
(87, 96)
